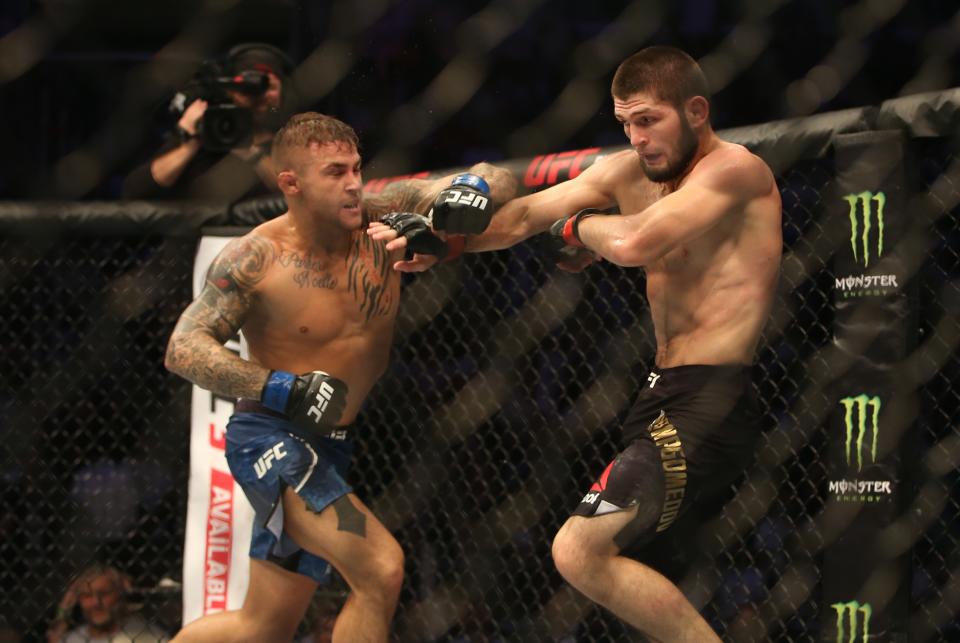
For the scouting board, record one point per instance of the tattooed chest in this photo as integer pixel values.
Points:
(314, 279)
(363, 282)
(371, 282)
(307, 271)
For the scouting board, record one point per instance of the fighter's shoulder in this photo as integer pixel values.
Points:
(262, 242)
(734, 166)
(613, 170)
(620, 163)
(247, 259)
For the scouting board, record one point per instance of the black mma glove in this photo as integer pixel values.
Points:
(464, 207)
(313, 401)
(416, 228)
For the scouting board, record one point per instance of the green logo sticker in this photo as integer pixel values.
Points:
(866, 216)
(861, 417)
(853, 622)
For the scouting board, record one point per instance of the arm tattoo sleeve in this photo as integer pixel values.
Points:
(411, 195)
(196, 350)
(502, 182)
(417, 195)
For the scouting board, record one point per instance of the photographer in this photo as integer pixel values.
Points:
(220, 149)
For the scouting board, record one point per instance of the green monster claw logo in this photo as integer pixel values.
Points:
(862, 404)
(866, 200)
(858, 615)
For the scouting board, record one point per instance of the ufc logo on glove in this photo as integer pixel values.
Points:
(467, 198)
(324, 394)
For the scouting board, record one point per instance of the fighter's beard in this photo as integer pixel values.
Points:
(688, 149)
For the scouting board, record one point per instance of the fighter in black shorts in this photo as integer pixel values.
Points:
(702, 217)
(689, 434)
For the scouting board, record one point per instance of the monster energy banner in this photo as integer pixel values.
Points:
(865, 586)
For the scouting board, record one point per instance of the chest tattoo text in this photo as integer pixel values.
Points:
(307, 271)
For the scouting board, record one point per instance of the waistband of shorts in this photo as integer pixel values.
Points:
(246, 405)
(699, 373)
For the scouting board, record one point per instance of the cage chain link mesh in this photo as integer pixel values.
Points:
(508, 378)
(501, 405)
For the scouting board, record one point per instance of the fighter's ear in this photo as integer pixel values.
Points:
(288, 182)
(698, 111)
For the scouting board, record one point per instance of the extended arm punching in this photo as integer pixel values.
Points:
(407, 213)
(463, 208)
(521, 218)
(517, 218)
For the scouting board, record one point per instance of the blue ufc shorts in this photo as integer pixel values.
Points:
(265, 455)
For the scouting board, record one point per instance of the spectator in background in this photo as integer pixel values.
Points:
(9, 634)
(101, 592)
(220, 149)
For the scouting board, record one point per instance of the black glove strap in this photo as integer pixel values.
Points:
(340, 432)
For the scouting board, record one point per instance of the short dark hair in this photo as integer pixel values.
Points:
(667, 72)
(260, 56)
(307, 128)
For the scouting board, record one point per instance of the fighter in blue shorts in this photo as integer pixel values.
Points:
(267, 454)
(316, 300)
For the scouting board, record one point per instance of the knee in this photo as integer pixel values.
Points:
(569, 555)
(582, 566)
(388, 570)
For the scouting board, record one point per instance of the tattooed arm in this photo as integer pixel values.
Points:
(196, 351)
(417, 195)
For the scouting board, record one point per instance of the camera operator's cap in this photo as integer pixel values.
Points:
(259, 56)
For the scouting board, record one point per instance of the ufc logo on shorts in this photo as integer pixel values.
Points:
(263, 465)
(324, 393)
(652, 378)
(591, 497)
(468, 198)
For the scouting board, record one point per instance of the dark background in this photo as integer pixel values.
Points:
(84, 317)
(81, 103)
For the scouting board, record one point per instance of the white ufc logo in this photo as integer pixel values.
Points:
(591, 497)
(652, 378)
(467, 198)
(324, 393)
(263, 465)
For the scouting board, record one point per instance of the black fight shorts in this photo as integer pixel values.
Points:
(690, 433)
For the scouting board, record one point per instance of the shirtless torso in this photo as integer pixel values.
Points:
(709, 244)
(709, 296)
(315, 311)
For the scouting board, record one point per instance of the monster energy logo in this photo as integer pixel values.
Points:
(853, 612)
(859, 239)
(867, 411)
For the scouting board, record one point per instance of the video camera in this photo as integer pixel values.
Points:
(224, 125)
